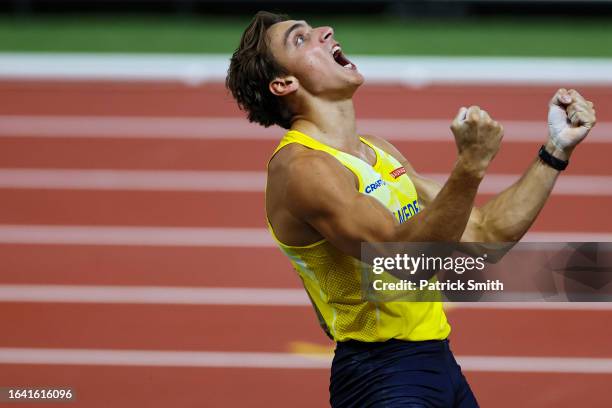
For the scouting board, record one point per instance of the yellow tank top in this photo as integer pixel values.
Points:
(333, 279)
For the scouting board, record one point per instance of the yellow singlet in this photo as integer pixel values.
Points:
(333, 279)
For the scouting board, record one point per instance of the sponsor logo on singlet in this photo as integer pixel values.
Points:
(371, 187)
(398, 172)
(407, 211)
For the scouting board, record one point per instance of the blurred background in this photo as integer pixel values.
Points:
(134, 262)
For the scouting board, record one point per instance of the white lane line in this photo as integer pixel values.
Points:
(136, 127)
(584, 306)
(135, 236)
(569, 236)
(238, 128)
(412, 71)
(199, 237)
(162, 358)
(152, 180)
(237, 181)
(536, 364)
(153, 295)
(154, 358)
(157, 295)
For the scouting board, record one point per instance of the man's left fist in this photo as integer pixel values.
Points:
(570, 118)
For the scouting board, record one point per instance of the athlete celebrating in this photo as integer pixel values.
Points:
(329, 190)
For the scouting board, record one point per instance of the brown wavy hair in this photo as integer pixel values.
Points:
(251, 69)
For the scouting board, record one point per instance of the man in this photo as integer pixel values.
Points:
(329, 190)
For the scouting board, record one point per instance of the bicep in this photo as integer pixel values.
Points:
(335, 208)
(356, 220)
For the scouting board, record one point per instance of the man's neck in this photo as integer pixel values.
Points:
(332, 123)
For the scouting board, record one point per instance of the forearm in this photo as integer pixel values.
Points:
(508, 216)
(447, 215)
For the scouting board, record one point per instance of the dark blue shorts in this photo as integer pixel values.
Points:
(396, 374)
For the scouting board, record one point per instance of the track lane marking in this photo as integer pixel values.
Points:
(135, 236)
(226, 359)
(116, 294)
(198, 237)
(237, 181)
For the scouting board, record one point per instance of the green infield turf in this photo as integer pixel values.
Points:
(376, 35)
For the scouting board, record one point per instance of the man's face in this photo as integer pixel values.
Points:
(314, 57)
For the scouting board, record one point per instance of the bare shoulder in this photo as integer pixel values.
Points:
(296, 162)
(303, 176)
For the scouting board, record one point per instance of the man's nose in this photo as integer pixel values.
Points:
(327, 33)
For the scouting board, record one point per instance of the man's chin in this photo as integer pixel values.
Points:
(360, 79)
(357, 79)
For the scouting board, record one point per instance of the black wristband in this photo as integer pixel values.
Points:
(551, 160)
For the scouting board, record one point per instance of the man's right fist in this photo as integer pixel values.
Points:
(477, 136)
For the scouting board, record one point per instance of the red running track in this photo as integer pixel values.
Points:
(222, 155)
(484, 332)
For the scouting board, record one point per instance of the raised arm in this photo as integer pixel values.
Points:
(347, 218)
(508, 216)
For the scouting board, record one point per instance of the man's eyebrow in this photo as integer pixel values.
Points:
(293, 27)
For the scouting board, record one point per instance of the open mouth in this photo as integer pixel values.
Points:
(341, 59)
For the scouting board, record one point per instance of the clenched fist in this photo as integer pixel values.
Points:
(570, 119)
(478, 138)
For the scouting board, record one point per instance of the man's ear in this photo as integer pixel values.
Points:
(282, 86)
